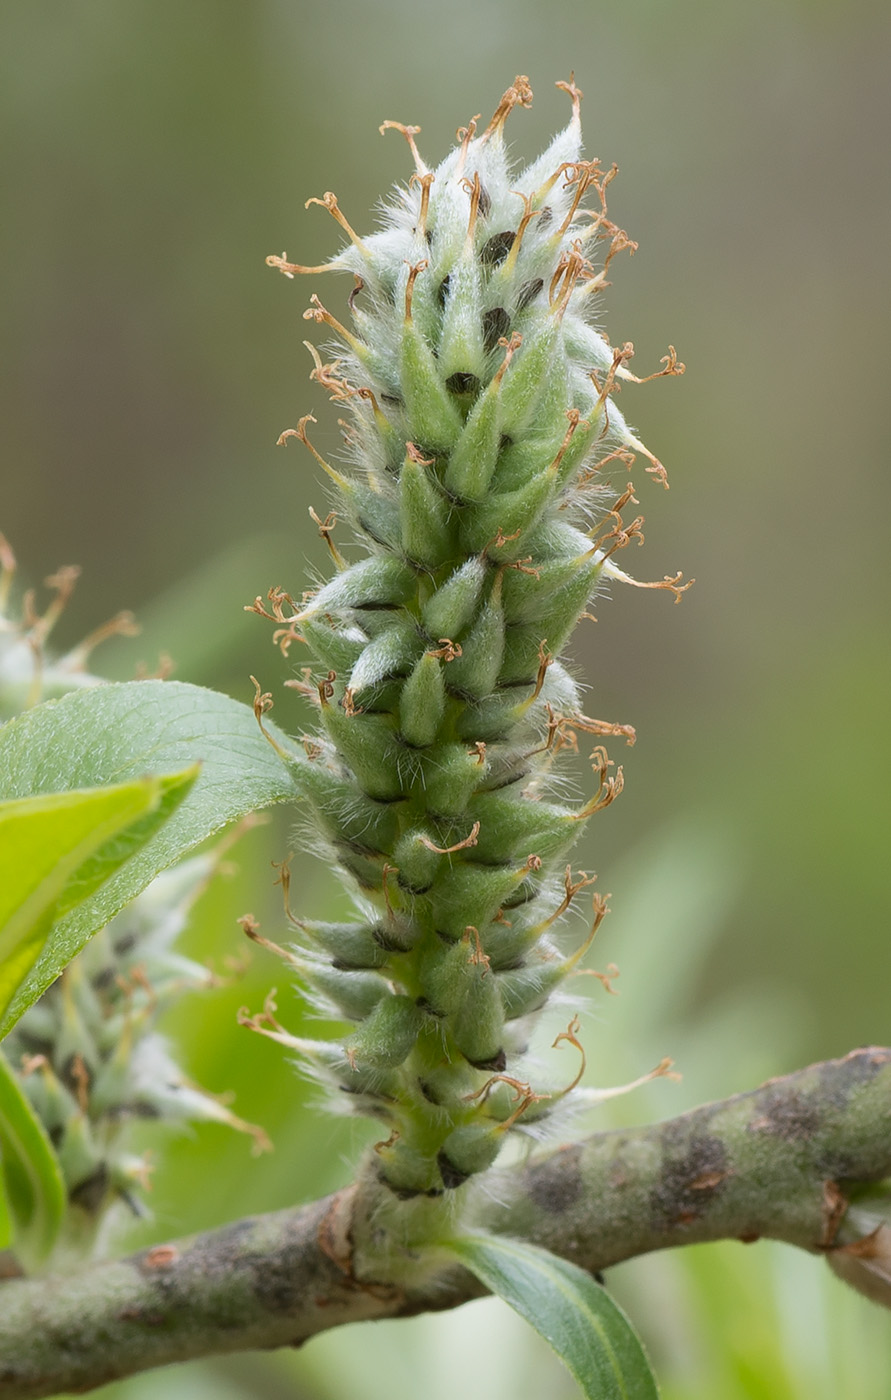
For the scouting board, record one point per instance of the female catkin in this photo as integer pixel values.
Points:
(88, 1056)
(481, 414)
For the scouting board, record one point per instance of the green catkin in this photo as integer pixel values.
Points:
(479, 390)
(90, 1061)
(87, 1055)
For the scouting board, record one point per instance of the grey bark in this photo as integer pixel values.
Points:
(778, 1162)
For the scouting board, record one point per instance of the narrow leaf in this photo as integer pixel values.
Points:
(57, 849)
(588, 1331)
(31, 1175)
(5, 1224)
(113, 733)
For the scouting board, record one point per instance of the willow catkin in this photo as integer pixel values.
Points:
(480, 432)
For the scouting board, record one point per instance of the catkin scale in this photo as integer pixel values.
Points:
(422, 703)
(453, 606)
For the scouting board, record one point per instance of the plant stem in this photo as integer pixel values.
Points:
(778, 1162)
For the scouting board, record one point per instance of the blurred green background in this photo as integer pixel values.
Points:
(153, 153)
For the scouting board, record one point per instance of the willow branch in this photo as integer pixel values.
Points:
(775, 1162)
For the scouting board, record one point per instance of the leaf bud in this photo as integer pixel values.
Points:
(353, 947)
(335, 648)
(510, 824)
(469, 1149)
(424, 514)
(452, 773)
(471, 891)
(369, 745)
(392, 653)
(407, 1170)
(434, 418)
(350, 995)
(422, 703)
(477, 1026)
(450, 609)
(526, 989)
(381, 580)
(475, 672)
(346, 813)
(417, 859)
(471, 465)
(386, 1039)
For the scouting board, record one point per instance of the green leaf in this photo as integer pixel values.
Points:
(57, 849)
(588, 1331)
(112, 733)
(33, 1181)
(5, 1223)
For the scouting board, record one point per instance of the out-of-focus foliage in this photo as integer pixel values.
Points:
(115, 731)
(32, 1192)
(58, 848)
(153, 155)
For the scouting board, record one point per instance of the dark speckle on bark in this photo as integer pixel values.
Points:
(275, 1279)
(790, 1116)
(142, 1317)
(694, 1168)
(838, 1080)
(228, 1246)
(557, 1184)
(278, 1286)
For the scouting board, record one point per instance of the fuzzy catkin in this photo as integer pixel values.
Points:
(87, 1054)
(481, 416)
